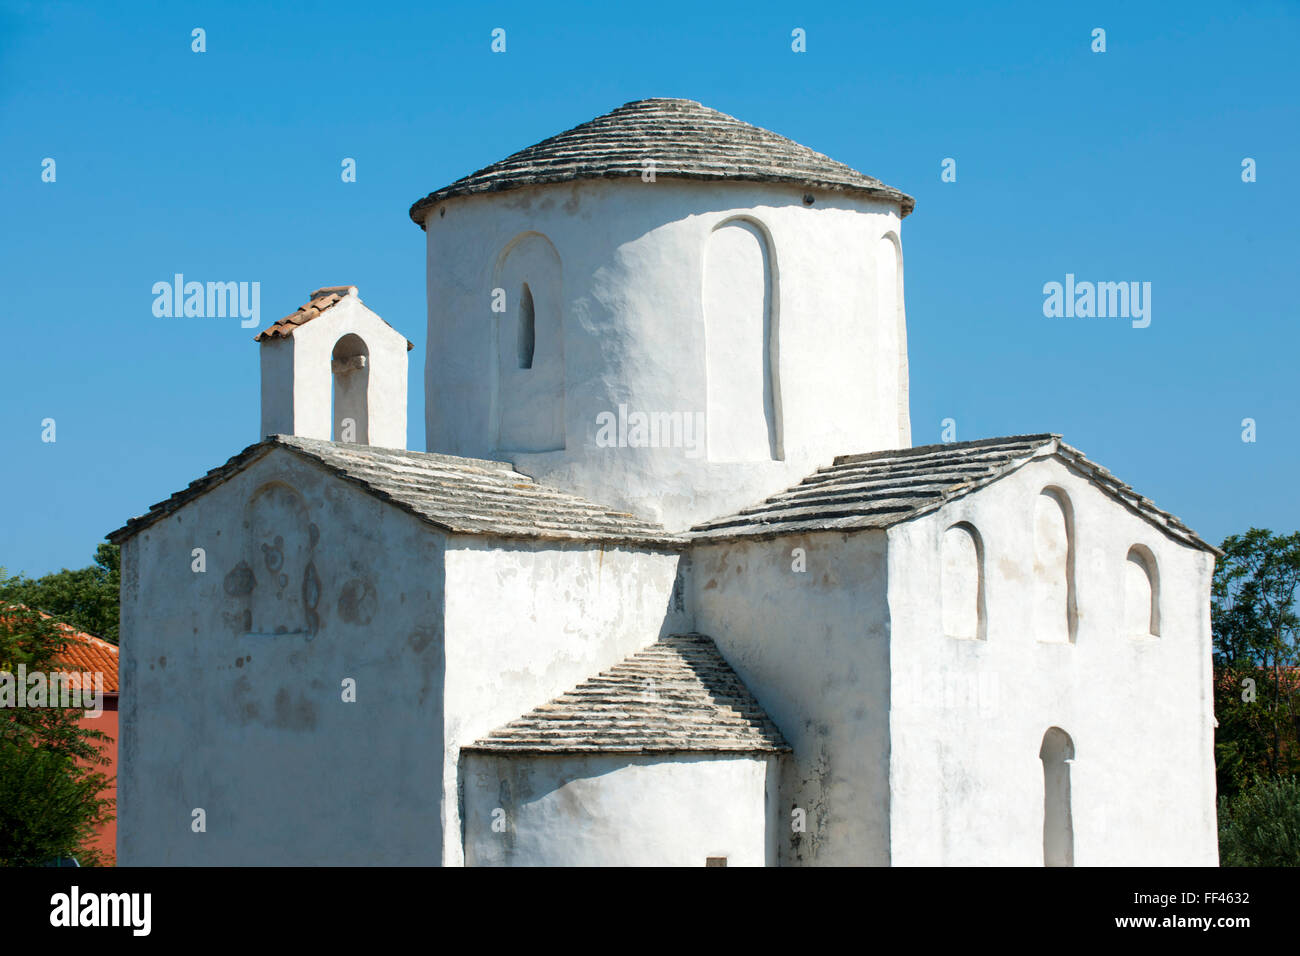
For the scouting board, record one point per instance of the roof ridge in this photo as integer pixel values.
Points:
(319, 301)
(877, 490)
(436, 495)
(1040, 437)
(488, 464)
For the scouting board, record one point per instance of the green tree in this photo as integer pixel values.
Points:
(86, 598)
(1261, 826)
(50, 803)
(1256, 653)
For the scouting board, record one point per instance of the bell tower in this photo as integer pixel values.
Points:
(336, 371)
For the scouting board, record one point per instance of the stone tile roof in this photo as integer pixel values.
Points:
(322, 300)
(456, 495)
(676, 696)
(686, 141)
(884, 488)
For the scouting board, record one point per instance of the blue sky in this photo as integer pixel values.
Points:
(224, 165)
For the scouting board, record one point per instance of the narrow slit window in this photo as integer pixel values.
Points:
(527, 328)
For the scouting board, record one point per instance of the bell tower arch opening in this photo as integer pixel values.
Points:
(350, 367)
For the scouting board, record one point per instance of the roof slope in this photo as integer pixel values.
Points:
(82, 654)
(884, 488)
(686, 141)
(676, 696)
(85, 653)
(457, 495)
(319, 301)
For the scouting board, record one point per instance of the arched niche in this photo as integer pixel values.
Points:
(1054, 616)
(962, 582)
(277, 582)
(529, 337)
(892, 318)
(741, 344)
(1141, 593)
(1056, 753)
(350, 367)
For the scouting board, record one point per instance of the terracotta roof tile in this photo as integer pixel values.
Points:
(320, 301)
(86, 653)
(317, 302)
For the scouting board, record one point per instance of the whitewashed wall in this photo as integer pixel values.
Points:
(252, 727)
(813, 647)
(968, 716)
(526, 622)
(636, 275)
(620, 810)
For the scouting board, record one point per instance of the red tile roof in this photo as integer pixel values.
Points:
(320, 301)
(86, 653)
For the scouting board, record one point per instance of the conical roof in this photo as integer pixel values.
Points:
(685, 140)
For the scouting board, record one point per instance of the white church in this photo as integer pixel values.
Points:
(671, 585)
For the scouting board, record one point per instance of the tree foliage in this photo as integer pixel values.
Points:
(86, 598)
(47, 811)
(1257, 659)
(1261, 826)
(50, 803)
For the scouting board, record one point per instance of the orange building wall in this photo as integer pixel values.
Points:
(106, 837)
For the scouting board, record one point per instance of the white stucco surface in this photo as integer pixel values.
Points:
(619, 810)
(251, 727)
(636, 274)
(249, 724)
(813, 646)
(968, 717)
(526, 622)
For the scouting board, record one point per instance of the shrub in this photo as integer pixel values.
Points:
(47, 809)
(1261, 825)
